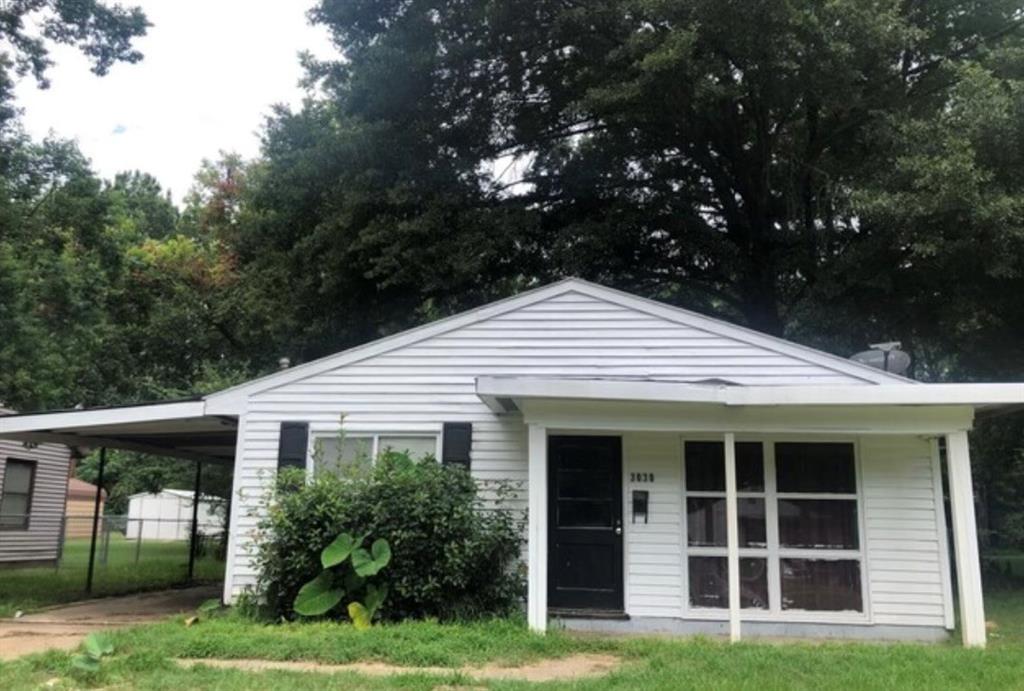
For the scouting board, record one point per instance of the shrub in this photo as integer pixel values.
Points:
(451, 558)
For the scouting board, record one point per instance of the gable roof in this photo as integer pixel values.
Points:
(80, 489)
(229, 398)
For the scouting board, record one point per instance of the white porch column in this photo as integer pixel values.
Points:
(965, 539)
(732, 536)
(537, 530)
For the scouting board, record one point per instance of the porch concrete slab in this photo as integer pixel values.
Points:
(755, 630)
(65, 626)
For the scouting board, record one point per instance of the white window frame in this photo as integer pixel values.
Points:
(774, 552)
(374, 436)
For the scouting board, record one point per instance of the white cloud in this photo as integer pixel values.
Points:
(211, 71)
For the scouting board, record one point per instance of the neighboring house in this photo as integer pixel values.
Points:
(681, 473)
(81, 505)
(167, 515)
(33, 487)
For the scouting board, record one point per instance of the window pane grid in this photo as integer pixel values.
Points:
(806, 570)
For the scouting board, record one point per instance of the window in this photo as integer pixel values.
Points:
(705, 525)
(821, 585)
(417, 447)
(709, 582)
(334, 453)
(16, 496)
(819, 533)
(798, 519)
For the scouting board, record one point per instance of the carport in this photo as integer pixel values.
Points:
(182, 429)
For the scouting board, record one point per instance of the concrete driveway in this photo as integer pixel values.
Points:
(64, 627)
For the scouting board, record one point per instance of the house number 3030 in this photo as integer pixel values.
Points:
(641, 477)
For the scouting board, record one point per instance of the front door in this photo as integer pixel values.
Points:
(585, 523)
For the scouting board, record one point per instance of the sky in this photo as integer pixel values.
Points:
(212, 70)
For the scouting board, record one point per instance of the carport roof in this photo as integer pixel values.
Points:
(179, 429)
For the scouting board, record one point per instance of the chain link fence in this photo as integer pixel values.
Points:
(44, 559)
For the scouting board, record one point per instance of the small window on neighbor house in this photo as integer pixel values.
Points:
(16, 495)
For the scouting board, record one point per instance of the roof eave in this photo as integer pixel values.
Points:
(492, 390)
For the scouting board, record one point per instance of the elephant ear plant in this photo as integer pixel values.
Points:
(347, 566)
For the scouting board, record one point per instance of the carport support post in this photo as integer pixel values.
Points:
(96, 519)
(732, 536)
(537, 530)
(965, 539)
(195, 522)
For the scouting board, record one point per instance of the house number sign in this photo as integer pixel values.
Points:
(641, 477)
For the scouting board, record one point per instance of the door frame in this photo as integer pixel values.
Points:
(620, 496)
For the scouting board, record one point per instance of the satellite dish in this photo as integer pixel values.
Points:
(886, 357)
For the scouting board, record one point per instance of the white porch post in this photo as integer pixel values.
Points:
(732, 536)
(537, 530)
(965, 539)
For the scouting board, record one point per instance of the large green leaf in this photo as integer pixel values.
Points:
(338, 551)
(360, 616)
(86, 663)
(97, 645)
(370, 563)
(374, 598)
(318, 596)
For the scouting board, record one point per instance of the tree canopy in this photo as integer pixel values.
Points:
(838, 173)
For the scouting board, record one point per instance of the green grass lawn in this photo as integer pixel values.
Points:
(161, 564)
(143, 658)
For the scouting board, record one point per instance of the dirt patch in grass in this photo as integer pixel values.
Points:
(64, 627)
(583, 666)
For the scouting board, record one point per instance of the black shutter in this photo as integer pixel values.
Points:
(458, 438)
(291, 450)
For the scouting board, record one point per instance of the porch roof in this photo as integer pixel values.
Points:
(506, 394)
(178, 429)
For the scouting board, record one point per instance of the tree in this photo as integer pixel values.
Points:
(705, 152)
(141, 206)
(104, 33)
(54, 264)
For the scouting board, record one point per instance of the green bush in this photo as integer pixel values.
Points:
(451, 560)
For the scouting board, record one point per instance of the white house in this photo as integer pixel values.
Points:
(167, 515)
(680, 473)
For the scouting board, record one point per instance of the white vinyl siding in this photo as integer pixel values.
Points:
(654, 572)
(415, 389)
(908, 569)
(41, 541)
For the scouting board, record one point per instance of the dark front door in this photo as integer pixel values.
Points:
(585, 523)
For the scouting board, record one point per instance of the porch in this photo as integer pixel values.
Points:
(788, 515)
